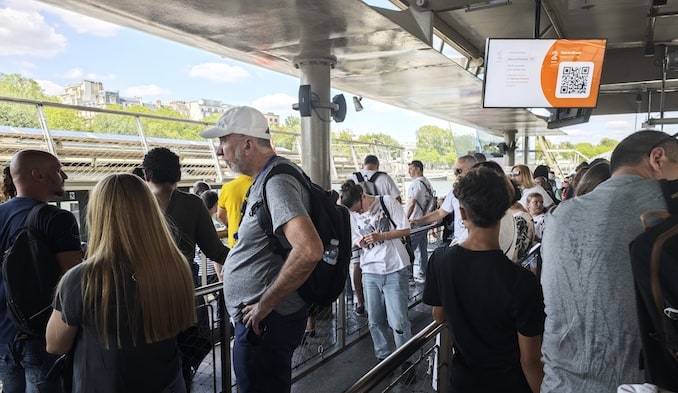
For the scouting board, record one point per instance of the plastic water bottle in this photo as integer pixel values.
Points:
(331, 252)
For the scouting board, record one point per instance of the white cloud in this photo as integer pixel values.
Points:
(145, 91)
(278, 103)
(219, 72)
(98, 77)
(25, 33)
(73, 73)
(50, 88)
(80, 23)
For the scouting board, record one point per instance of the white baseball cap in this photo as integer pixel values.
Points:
(242, 120)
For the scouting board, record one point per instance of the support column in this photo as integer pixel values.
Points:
(526, 148)
(510, 140)
(315, 130)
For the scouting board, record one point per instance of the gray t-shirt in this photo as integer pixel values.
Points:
(591, 336)
(251, 267)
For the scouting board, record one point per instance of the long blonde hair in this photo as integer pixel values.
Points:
(129, 237)
(527, 180)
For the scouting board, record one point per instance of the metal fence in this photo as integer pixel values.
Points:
(336, 329)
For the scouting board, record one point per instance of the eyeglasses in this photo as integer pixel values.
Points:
(458, 171)
(662, 141)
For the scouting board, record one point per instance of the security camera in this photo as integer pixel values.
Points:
(356, 103)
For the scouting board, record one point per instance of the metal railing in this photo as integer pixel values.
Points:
(106, 141)
(337, 329)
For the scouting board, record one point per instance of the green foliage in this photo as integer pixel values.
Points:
(379, 138)
(19, 115)
(292, 124)
(435, 146)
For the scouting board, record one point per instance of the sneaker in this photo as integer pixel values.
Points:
(409, 377)
(359, 311)
(420, 279)
(411, 281)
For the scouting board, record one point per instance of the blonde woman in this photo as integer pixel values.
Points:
(523, 177)
(123, 307)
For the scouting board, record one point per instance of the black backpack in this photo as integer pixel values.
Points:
(368, 185)
(30, 273)
(654, 261)
(332, 221)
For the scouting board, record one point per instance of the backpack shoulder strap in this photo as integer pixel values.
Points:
(375, 175)
(670, 191)
(359, 177)
(30, 220)
(386, 212)
(32, 216)
(263, 213)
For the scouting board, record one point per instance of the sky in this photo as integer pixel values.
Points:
(56, 48)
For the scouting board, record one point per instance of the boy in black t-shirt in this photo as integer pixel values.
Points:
(494, 308)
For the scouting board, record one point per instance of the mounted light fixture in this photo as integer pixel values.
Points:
(356, 103)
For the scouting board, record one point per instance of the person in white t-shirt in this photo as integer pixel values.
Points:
(420, 198)
(451, 204)
(377, 225)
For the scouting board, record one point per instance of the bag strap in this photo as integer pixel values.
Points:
(359, 177)
(428, 189)
(388, 215)
(262, 211)
(375, 175)
(30, 220)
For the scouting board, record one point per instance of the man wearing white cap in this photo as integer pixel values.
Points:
(260, 287)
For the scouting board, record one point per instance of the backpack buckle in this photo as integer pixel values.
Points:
(671, 313)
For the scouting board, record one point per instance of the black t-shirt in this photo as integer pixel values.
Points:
(487, 300)
(140, 368)
(60, 229)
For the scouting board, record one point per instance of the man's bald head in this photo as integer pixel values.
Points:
(37, 174)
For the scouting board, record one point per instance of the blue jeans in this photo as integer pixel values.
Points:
(386, 301)
(24, 366)
(264, 363)
(420, 248)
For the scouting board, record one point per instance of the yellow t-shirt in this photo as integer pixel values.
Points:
(231, 198)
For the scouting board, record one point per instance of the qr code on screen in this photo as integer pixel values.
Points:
(574, 79)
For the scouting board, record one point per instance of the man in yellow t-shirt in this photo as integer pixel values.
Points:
(230, 200)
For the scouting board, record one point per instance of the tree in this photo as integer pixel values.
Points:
(435, 146)
(19, 115)
(292, 124)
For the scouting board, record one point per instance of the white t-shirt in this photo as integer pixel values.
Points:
(390, 255)
(451, 204)
(420, 193)
(384, 183)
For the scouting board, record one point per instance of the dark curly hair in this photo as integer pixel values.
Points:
(513, 188)
(161, 166)
(485, 196)
(350, 193)
(8, 188)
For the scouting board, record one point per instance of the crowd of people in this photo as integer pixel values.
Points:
(125, 307)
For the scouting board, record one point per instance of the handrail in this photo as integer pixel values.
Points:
(382, 370)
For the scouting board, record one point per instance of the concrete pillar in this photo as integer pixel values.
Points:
(510, 140)
(315, 130)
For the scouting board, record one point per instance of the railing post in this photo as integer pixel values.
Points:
(45, 129)
(217, 167)
(142, 134)
(444, 357)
